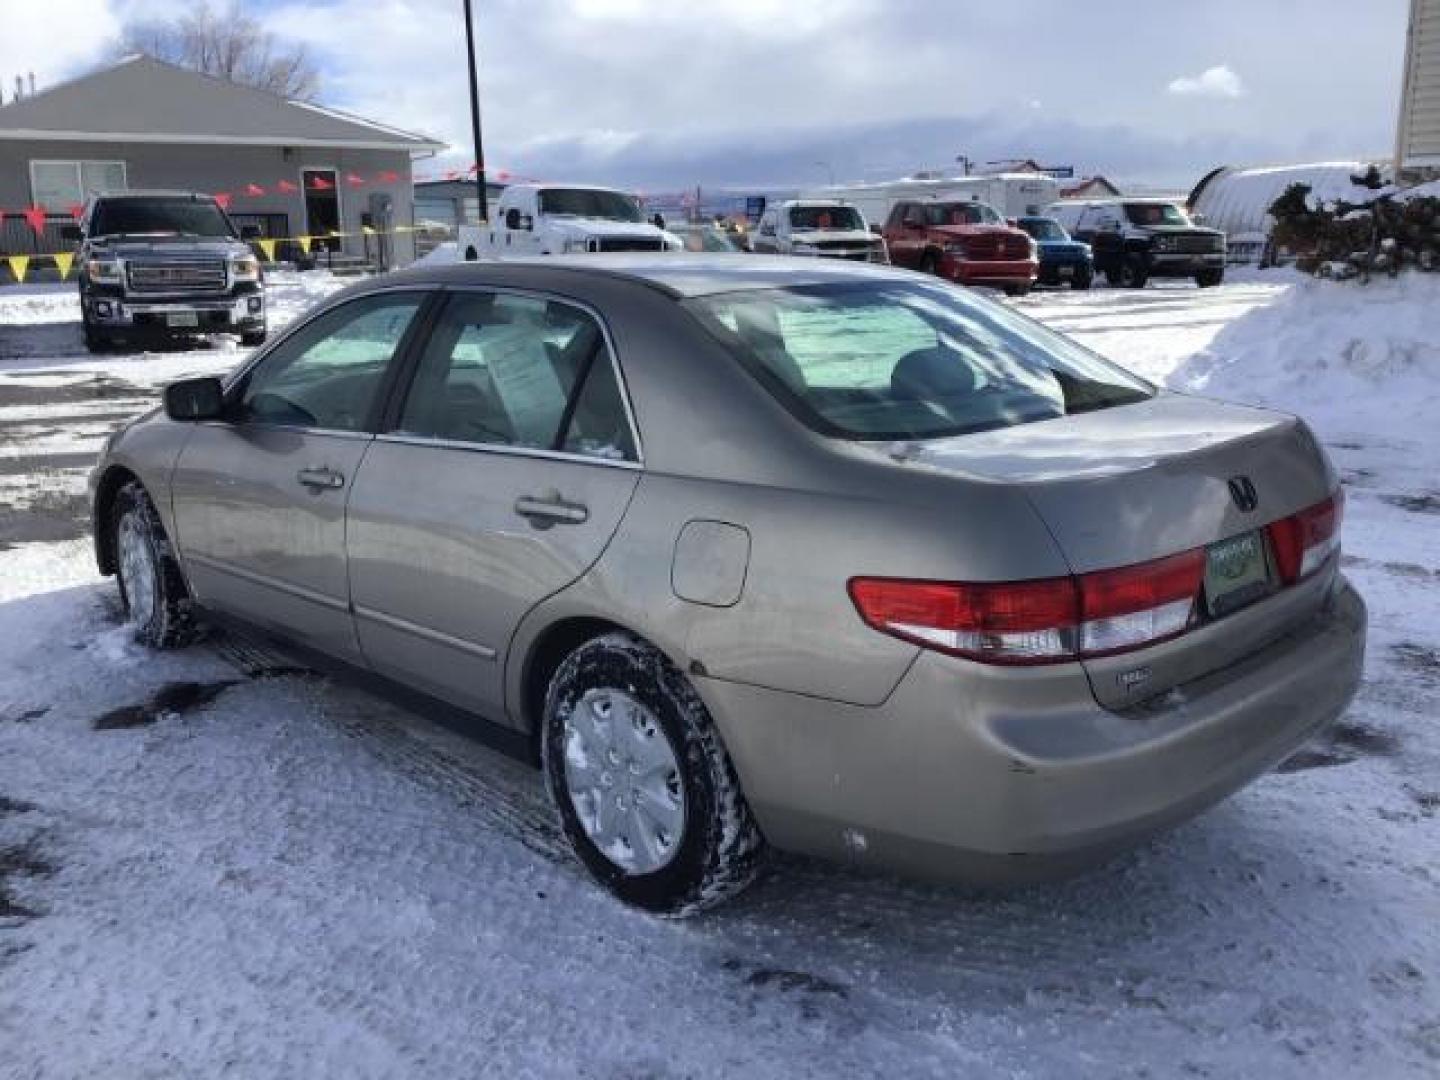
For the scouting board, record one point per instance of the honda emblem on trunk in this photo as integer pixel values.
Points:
(1243, 492)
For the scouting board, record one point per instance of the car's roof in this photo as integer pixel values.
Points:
(153, 193)
(681, 274)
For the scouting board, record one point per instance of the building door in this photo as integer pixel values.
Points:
(322, 205)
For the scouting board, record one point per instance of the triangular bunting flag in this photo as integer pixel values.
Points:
(336, 234)
(222, 199)
(353, 180)
(36, 217)
(18, 265)
(63, 259)
(286, 186)
(304, 242)
(77, 210)
(254, 189)
(319, 183)
(389, 176)
(267, 248)
(367, 230)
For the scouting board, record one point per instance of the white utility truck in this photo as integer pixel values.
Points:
(558, 219)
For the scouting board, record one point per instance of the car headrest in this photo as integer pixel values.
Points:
(933, 372)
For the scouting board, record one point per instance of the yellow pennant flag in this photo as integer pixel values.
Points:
(63, 259)
(304, 242)
(336, 235)
(268, 248)
(367, 230)
(18, 265)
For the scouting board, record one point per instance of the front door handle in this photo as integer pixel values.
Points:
(551, 511)
(320, 478)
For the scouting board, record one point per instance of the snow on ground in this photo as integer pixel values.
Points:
(210, 862)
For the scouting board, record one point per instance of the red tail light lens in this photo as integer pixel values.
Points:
(1023, 622)
(1303, 542)
(1139, 605)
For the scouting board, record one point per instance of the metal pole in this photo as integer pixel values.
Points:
(475, 111)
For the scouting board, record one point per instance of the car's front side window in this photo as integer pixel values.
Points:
(508, 370)
(327, 374)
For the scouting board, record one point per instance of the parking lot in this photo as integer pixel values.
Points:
(215, 862)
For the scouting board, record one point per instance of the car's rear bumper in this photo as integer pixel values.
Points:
(989, 271)
(1012, 780)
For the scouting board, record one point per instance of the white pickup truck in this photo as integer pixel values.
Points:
(556, 219)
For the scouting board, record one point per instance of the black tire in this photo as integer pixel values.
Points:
(1017, 290)
(1133, 272)
(720, 849)
(1208, 279)
(253, 338)
(95, 340)
(1083, 279)
(167, 621)
(930, 264)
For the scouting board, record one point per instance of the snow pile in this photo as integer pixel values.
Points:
(1349, 360)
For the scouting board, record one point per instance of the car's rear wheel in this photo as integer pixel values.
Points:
(152, 589)
(96, 340)
(1208, 279)
(1017, 290)
(930, 263)
(252, 339)
(1083, 278)
(645, 790)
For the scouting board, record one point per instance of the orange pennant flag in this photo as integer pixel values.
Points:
(19, 264)
(267, 247)
(63, 259)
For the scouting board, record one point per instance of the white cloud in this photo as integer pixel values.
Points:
(1219, 81)
(53, 39)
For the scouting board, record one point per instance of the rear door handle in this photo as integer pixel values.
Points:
(551, 511)
(320, 478)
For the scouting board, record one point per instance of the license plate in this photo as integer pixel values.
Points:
(1066, 271)
(182, 318)
(1237, 572)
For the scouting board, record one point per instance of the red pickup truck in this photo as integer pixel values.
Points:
(962, 241)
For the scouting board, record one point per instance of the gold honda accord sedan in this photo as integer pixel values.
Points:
(760, 552)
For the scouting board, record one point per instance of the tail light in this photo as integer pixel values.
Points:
(1302, 542)
(1071, 618)
(1038, 622)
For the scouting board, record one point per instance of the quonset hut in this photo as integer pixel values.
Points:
(1237, 200)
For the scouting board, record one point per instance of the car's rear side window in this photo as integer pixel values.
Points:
(901, 360)
(503, 369)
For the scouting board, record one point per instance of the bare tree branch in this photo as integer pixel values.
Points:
(230, 45)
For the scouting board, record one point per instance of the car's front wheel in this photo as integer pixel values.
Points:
(645, 790)
(1083, 279)
(252, 338)
(152, 589)
(1208, 279)
(1133, 272)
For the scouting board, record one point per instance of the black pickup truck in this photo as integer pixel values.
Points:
(1135, 240)
(167, 265)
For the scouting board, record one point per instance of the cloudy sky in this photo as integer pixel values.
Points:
(665, 93)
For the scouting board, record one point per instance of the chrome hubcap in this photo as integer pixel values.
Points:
(624, 781)
(137, 568)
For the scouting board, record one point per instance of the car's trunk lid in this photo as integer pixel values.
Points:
(1127, 485)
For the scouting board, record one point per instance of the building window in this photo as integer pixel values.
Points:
(59, 185)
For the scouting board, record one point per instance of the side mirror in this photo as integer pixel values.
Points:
(71, 234)
(1014, 223)
(195, 399)
(512, 218)
(250, 232)
(658, 221)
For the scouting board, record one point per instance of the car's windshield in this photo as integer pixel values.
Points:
(892, 360)
(960, 213)
(589, 203)
(1044, 228)
(166, 216)
(1150, 215)
(705, 238)
(825, 217)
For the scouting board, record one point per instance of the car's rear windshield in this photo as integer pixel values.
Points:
(960, 213)
(900, 360)
(589, 203)
(163, 216)
(825, 217)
